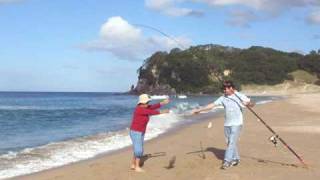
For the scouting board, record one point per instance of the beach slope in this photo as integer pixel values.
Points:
(196, 151)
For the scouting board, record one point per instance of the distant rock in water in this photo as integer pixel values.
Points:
(144, 87)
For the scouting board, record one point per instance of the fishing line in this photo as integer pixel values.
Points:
(161, 32)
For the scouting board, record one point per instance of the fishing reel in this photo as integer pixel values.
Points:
(273, 140)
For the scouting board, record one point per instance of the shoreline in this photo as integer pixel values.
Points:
(177, 137)
(179, 125)
(171, 131)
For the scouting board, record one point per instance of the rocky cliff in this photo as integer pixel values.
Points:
(199, 69)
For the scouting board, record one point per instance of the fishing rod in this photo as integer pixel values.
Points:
(161, 32)
(275, 136)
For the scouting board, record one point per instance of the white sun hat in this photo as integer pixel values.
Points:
(144, 99)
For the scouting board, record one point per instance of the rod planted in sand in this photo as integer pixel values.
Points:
(202, 152)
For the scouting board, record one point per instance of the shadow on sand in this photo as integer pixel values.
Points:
(171, 163)
(259, 160)
(145, 157)
(219, 154)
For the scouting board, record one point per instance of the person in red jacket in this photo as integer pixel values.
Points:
(139, 124)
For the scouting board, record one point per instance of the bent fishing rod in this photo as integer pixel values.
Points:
(164, 34)
(275, 135)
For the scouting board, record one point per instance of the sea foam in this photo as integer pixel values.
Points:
(30, 160)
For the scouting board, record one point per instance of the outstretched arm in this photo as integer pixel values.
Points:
(165, 111)
(158, 105)
(206, 108)
(164, 102)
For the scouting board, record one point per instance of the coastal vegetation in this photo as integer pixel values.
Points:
(200, 69)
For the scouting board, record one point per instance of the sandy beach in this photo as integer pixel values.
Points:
(196, 151)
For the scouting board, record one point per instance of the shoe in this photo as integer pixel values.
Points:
(226, 165)
(235, 162)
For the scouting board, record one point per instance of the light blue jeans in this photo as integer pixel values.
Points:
(137, 139)
(232, 134)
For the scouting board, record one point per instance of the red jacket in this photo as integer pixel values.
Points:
(141, 117)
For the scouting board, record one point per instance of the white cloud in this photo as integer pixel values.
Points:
(314, 17)
(269, 5)
(128, 42)
(267, 8)
(250, 3)
(166, 43)
(119, 31)
(159, 4)
(169, 7)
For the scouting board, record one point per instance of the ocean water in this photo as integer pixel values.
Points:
(40, 130)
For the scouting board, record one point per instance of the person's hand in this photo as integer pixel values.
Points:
(195, 111)
(249, 104)
(164, 111)
(166, 101)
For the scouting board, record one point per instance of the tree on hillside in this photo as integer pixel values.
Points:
(199, 68)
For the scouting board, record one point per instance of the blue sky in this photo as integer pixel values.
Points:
(72, 45)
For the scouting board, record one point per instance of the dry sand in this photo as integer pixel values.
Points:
(286, 88)
(178, 155)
